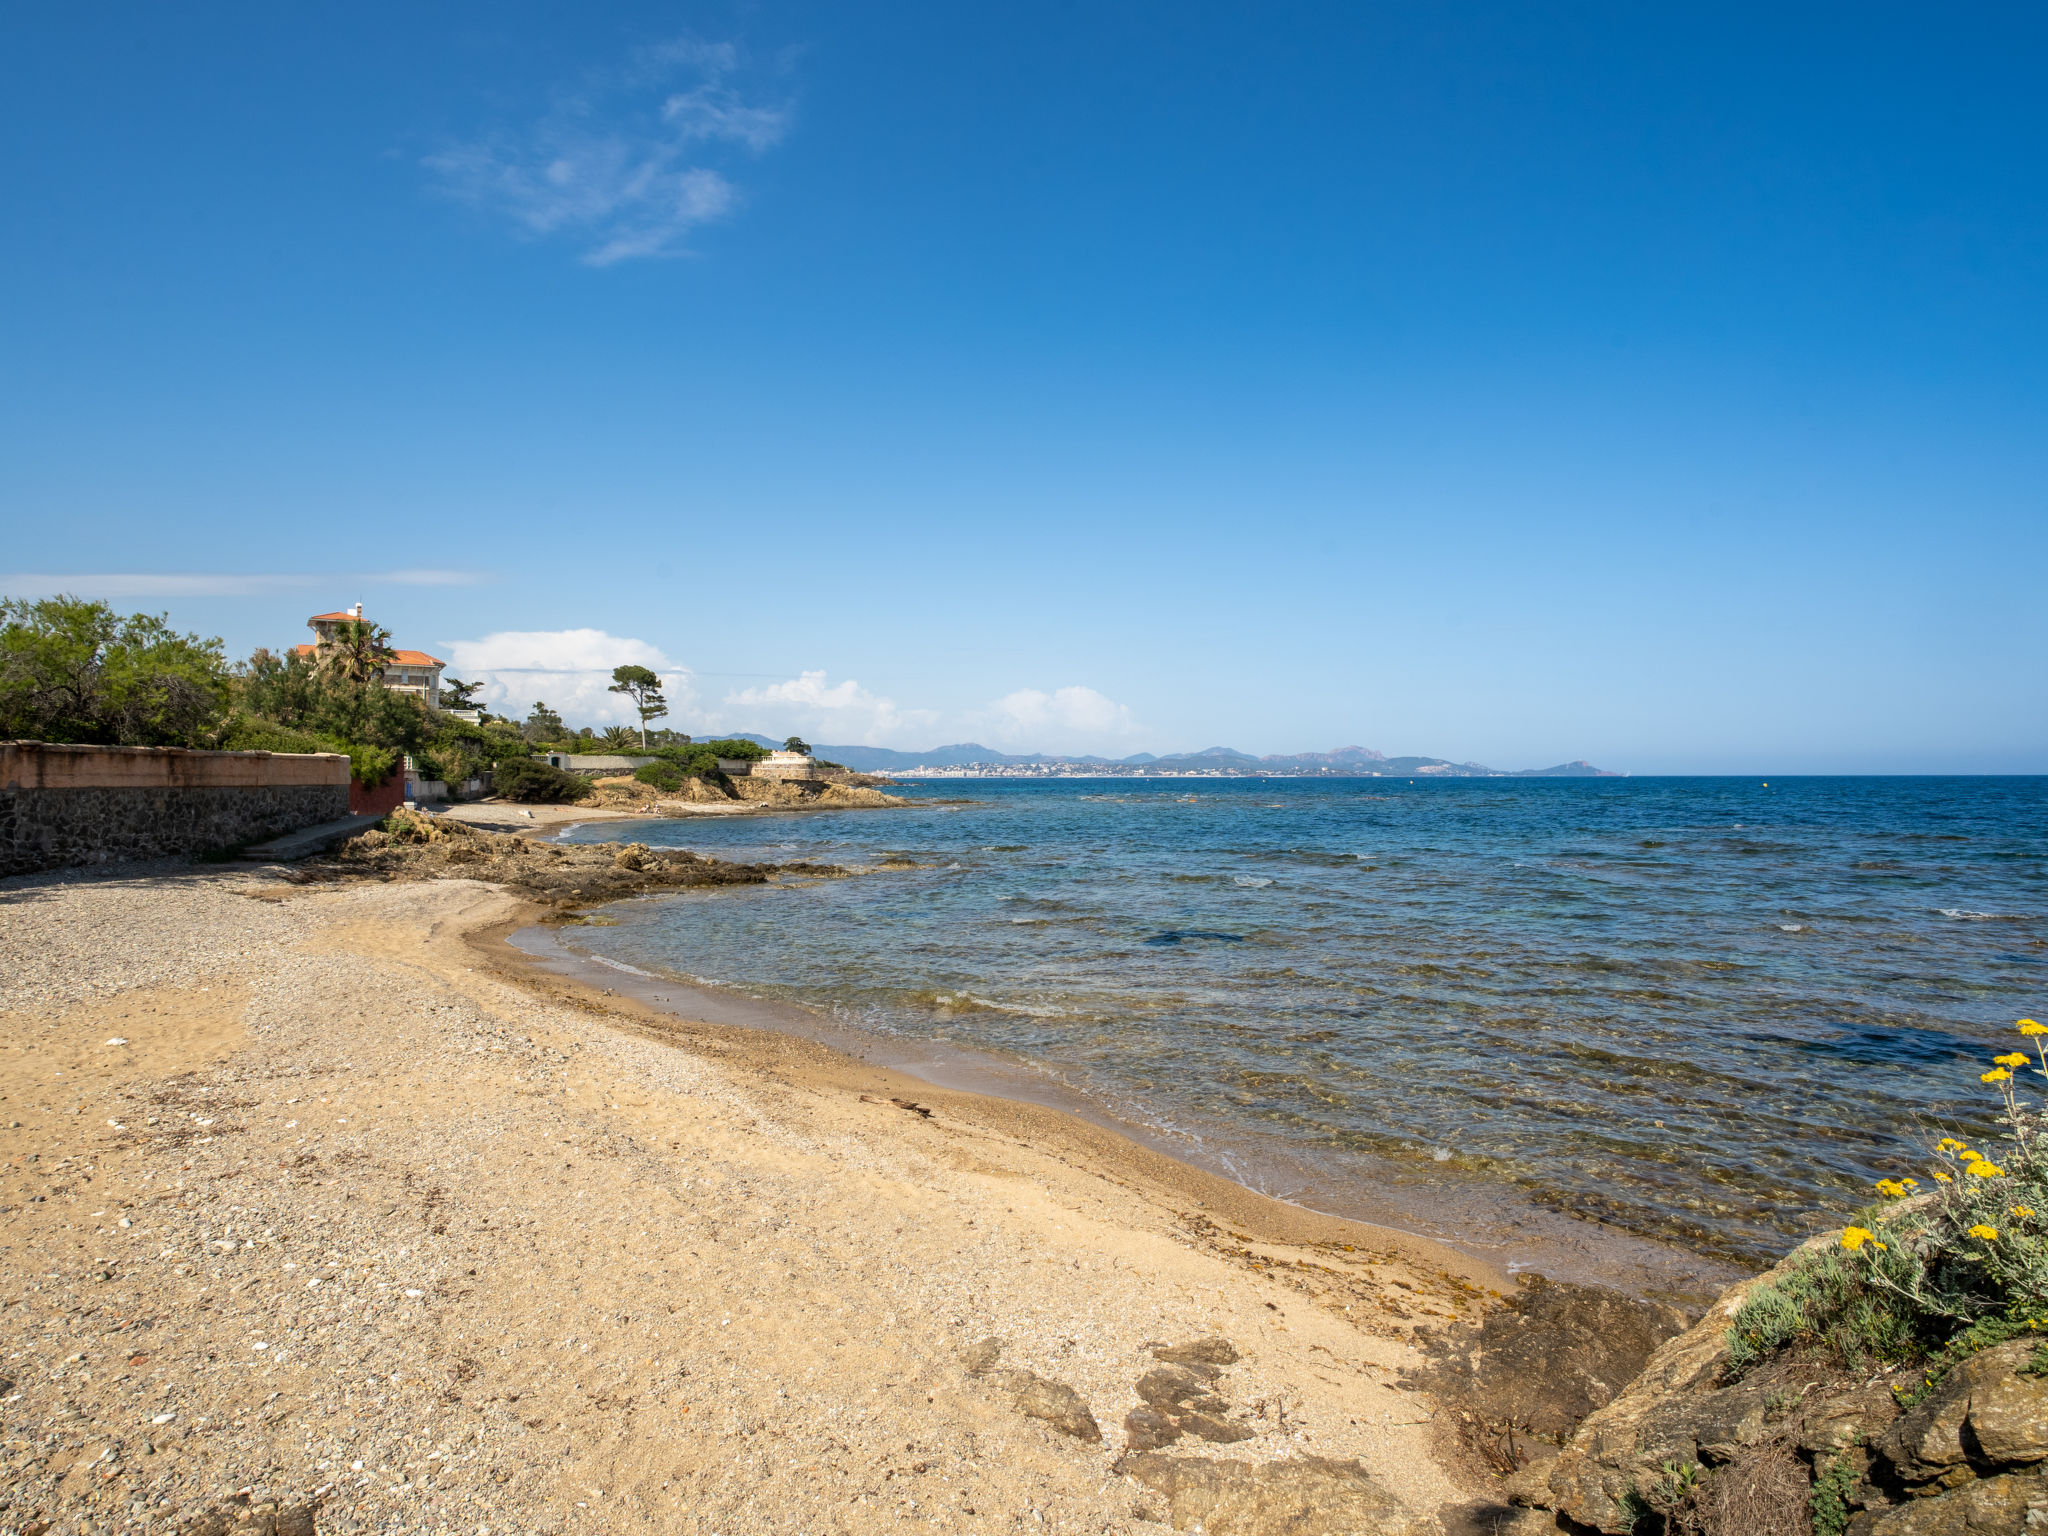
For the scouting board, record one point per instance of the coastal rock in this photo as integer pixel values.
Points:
(1179, 1397)
(1670, 1413)
(1303, 1496)
(1210, 1351)
(2007, 1505)
(1985, 1411)
(1552, 1355)
(1053, 1402)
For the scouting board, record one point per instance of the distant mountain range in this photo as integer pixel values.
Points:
(1343, 762)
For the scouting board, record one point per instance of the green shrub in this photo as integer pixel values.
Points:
(1828, 1507)
(369, 766)
(1932, 1275)
(537, 783)
(663, 775)
(733, 747)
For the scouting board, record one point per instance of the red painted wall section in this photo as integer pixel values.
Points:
(381, 801)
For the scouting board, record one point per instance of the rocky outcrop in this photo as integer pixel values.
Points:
(407, 846)
(1179, 1398)
(1747, 1457)
(1537, 1366)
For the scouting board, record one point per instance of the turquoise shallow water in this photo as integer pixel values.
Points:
(1706, 1012)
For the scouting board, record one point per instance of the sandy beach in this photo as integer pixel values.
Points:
(323, 1202)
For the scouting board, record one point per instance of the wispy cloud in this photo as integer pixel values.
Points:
(619, 162)
(842, 712)
(570, 670)
(1071, 719)
(218, 583)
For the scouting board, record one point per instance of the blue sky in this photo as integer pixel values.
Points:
(1662, 386)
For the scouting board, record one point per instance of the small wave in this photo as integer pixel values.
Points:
(1254, 881)
(1964, 915)
(1792, 927)
(1023, 1008)
(1177, 936)
(620, 965)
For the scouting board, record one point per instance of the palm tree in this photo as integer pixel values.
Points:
(617, 738)
(357, 651)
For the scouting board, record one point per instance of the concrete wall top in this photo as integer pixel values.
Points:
(63, 765)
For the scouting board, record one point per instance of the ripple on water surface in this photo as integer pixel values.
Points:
(1696, 1010)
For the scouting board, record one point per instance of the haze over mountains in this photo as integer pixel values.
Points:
(1338, 763)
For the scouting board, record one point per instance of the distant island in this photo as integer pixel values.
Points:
(971, 760)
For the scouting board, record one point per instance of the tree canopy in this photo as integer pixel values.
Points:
(644, 689)
(74, 670)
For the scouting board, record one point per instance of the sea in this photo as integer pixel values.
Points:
(1644, 1031)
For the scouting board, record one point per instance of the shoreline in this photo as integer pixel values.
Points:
(1550, 1244)
(319, 1190)
(1108, 1149)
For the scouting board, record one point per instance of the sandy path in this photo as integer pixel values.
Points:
(356, 1209)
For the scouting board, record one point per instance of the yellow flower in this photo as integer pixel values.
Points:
(1891, 1189)
(1989, 1234)
(2013, 1059)
(1948, 1144)
(1995, 1075)
(1984, 1168)
(2023, 1210)
(1854, 1238)
(1968, 1155)
(2029, 1027)
(1942, 1178)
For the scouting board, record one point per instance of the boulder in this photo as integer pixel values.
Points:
(1987, 1412)
(1672, 1413)
(2007, 1505)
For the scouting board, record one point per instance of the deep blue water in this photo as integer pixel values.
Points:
(1707, 1011)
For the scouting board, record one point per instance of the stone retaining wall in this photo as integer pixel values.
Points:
(63, 804)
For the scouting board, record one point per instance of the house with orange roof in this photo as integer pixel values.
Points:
(412, 672)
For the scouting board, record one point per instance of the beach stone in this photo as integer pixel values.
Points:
(1056, 1403)
(1303, 1496)
(1211, 1351)
(1145, 1430)
(1053, 1402)
(2007, 1505)
(1178, 1402)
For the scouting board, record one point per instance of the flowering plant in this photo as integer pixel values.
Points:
(1943, 1269)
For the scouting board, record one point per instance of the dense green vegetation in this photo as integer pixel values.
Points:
(534, 781)
(74, 670)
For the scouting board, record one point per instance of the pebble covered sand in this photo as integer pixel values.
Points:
(316, 1216)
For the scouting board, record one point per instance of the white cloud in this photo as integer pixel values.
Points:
(217, 583)
(1072, 719)
(570, 670)
(807, 705)
(617, 162)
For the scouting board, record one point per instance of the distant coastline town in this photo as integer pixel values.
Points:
(970, 760)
